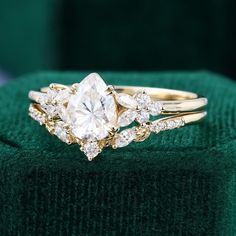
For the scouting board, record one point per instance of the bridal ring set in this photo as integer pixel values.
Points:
(96, 115)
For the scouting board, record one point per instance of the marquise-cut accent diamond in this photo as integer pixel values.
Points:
(127, 117)
(53, 102)
(124, 138)
(126, 100)
(61, 132)
(91, 110)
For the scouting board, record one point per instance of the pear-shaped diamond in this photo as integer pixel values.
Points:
(92, 111)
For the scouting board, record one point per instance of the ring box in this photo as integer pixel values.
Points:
(179, 182)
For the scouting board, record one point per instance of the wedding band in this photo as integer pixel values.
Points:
(95, 115)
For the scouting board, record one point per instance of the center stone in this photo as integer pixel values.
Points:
(91, 110)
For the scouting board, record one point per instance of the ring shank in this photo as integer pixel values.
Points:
(172, 100)
(158, 93)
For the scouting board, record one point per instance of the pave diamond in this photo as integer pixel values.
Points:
(179, 122)
(155, 127)
(91, 111)
(162, 125)
(36, 115)
(124, 138)
(126, 100)
(171, 124)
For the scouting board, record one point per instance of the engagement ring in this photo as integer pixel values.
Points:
(95, 115)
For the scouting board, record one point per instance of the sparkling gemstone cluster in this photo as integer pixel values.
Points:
(162, 125)
(90, 114)
(37, 115)
(138, 107)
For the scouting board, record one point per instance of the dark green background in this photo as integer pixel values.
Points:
(118, 35)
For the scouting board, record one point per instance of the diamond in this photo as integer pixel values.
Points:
(63, 96)
(53, 102)
(162, 125)
(46, 101)
(36, 115)
(62, 99)
(42, 99)
(155, 108)
(142, 116)
(47, 98)
(124, 138)
(143, 100)
(51, 110)
(171, 124)
(51, 95)
(127, 117)
(91, 149)
(61, 132)
(126, 100)
(179, 122)
(155, 127)
(91, 111)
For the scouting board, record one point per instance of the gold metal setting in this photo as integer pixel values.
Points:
(134, 110)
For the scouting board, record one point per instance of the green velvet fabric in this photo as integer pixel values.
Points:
(179, 182)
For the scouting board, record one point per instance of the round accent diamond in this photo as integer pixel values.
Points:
(155, 127)
(143, 116)
(143, 100)
(91, 149)
(155, 108)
